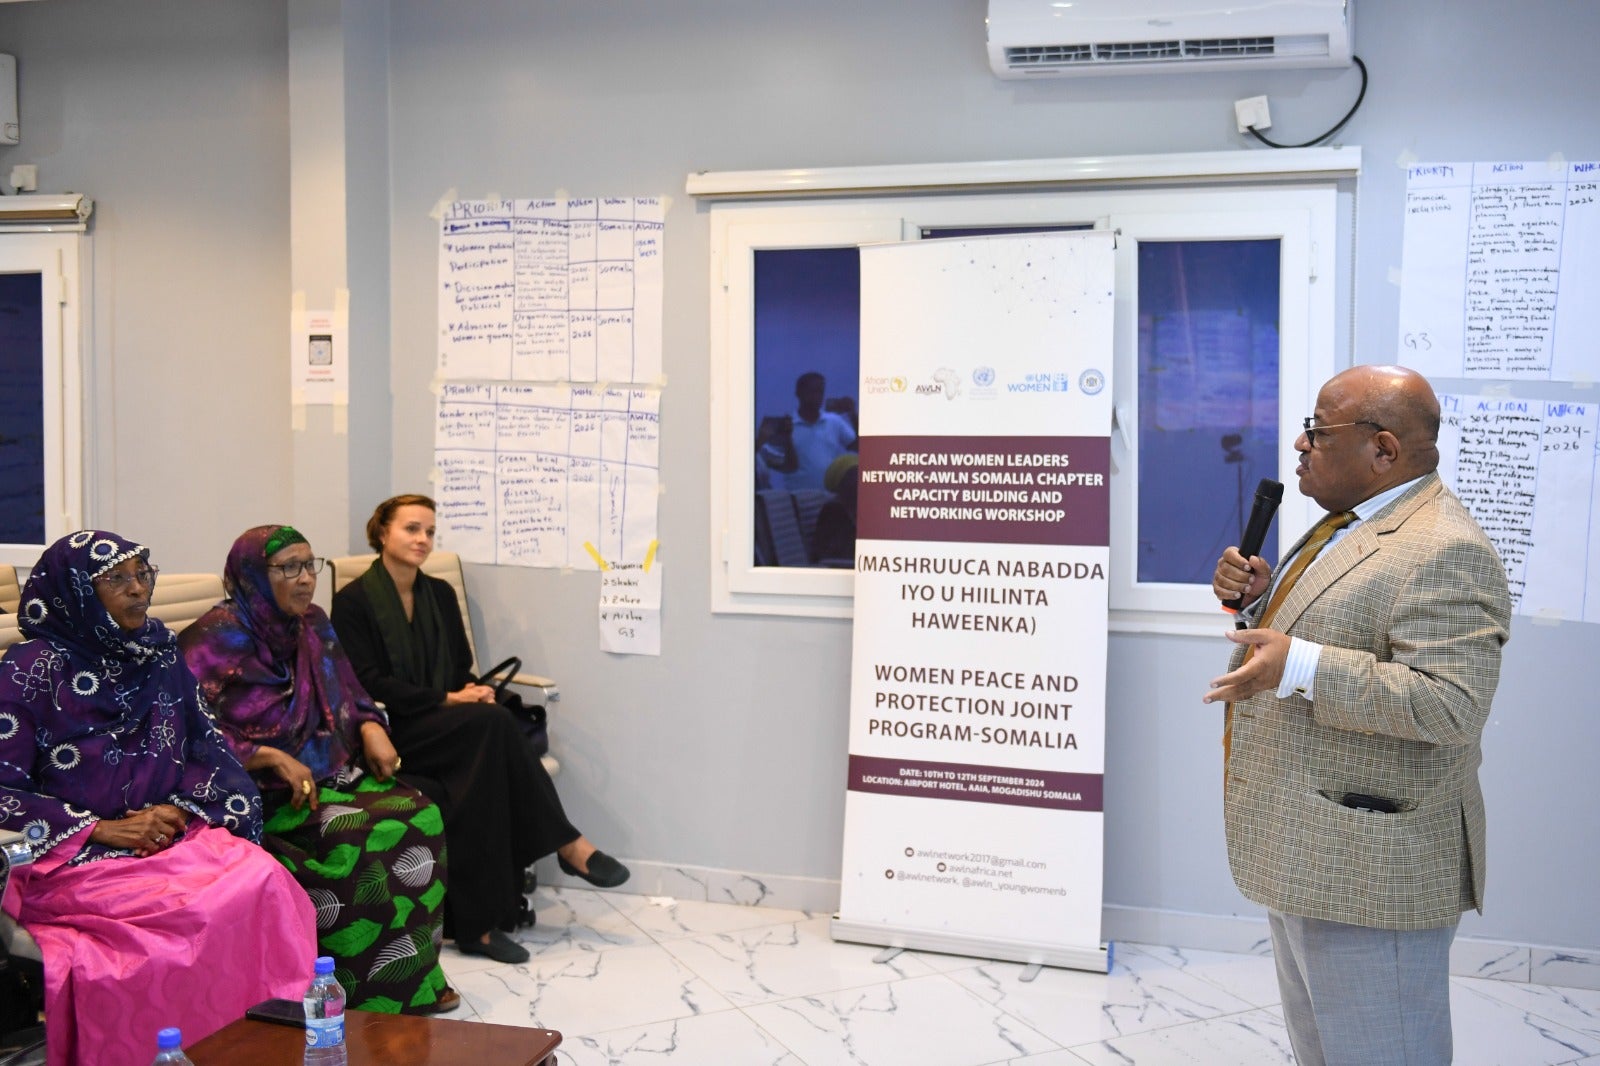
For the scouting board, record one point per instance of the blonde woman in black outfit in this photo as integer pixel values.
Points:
(404, 634)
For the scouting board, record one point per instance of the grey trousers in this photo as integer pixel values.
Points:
(1354, 996)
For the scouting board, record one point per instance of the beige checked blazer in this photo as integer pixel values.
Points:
(1411, 609)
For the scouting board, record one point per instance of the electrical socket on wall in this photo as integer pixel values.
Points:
(1252, 111)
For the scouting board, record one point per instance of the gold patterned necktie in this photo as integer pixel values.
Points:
(1321, 533)
(1318, 539)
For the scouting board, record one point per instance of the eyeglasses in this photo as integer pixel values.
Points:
(290, 571)
(1311, 431)
(117, 580)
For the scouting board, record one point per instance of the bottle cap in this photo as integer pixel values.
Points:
(324, 964)
(169, 1038)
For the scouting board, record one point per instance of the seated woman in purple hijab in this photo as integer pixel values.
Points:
(149, 900)
(368, 849)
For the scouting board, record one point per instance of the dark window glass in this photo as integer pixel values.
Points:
(21, 409)
(807, 322)
(1208, 399)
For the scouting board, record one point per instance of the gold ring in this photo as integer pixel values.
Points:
(305, 787)
(397, 762)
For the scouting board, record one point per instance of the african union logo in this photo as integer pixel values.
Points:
(983, 376)
(897, 383)
(1091, 382)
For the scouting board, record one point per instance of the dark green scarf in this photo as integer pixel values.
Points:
(416, 648)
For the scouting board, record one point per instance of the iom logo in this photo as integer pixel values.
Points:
(1091, 382)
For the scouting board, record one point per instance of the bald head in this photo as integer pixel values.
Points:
(1386, 430)
(1403, 403)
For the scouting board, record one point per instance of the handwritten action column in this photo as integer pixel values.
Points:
(532, 474)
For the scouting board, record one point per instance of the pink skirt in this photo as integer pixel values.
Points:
(190, 936)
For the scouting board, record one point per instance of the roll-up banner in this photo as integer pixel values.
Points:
(973, 822)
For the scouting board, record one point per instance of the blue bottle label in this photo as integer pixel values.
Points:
(325, 1032)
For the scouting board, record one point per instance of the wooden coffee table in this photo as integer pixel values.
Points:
(383, 1040)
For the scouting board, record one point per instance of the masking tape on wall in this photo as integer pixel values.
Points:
(297, 326)
(441, 205)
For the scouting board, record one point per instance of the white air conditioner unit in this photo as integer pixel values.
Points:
(1057, 38)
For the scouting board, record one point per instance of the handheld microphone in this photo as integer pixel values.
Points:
(1269, 494)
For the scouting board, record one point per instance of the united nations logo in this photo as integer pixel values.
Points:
(1091, 382)
(983, 376)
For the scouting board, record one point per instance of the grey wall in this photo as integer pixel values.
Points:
(728, 751)
(173, 116)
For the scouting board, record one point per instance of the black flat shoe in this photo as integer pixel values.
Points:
(500, 948)
(604, 871)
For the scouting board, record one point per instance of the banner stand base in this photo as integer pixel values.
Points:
(1093, 959)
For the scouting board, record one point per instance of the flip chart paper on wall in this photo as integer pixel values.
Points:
(630, 607)
(551, 290)
(1527, 469)
(974, 816)
(1501, 264)
(527, 475)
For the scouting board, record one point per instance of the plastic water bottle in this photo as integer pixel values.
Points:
(169, 1049)
(324, 1002)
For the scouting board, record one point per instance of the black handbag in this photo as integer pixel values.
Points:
(530, 716)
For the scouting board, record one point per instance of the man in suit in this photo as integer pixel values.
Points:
(1357, 700)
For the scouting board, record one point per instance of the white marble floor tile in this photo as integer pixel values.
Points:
(1491, 1032)
(1252, 978)
(576, 919)
(1575, 1008)
(939, 962)
(930, 1021)
(1485, 958)
(1565, 967)
(797, 893)
(1256, 1037)
(646, 879)
(463, 1013)
(1071, 1007)
(726, 1038)
(583, 992)
(1050, 1058)
(630, 979)
(726, 886)
(665, 918)
(454, 963)
(783, 961)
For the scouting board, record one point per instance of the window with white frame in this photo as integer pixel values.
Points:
(41, 421)
(1225, 303)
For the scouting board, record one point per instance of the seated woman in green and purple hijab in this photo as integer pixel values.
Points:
(368, 849)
